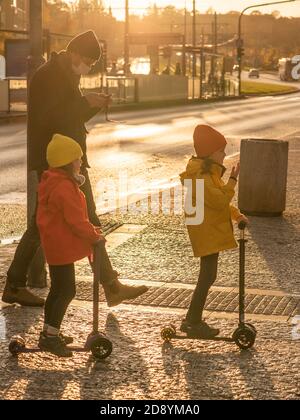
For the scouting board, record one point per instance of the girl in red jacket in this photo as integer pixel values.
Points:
(66, 235)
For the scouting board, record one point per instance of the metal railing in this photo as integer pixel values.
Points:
(124, 90)
(16, 95)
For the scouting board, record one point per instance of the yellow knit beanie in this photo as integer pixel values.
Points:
(62, 150)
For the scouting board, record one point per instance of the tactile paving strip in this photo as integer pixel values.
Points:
(218, 300)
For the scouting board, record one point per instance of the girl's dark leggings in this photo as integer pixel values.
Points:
(207, 277)
(61, 293)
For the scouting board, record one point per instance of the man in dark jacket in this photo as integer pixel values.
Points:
(56, 105)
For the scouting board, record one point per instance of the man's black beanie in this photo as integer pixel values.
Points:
(85, 44)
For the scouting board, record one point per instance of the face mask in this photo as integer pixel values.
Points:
(80, 179)
(83, 69)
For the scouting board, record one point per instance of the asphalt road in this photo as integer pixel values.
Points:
(269, 78)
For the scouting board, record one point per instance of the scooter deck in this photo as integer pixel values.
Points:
(76, 349)
(192, 337)
(97, 343)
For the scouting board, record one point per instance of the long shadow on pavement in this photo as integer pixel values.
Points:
(43, 376)
(278, 242)
(211, 375)
(127, 368)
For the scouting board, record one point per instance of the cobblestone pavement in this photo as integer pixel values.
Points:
(141, 367)
(162, 252)
(273, 251)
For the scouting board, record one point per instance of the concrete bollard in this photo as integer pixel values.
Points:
(263, 177)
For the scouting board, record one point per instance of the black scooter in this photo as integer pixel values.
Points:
(244, 336)
(97, 343)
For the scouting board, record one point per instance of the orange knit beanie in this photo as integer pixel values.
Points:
(207, 140)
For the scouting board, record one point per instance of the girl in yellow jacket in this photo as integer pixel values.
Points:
(215, 233)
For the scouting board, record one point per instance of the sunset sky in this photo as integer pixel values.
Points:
(292, 9)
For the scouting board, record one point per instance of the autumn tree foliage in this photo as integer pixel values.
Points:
(267, 37)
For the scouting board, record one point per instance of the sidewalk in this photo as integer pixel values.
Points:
(12, 117)
(155, 250)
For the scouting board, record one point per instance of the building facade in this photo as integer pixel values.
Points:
(13, 14)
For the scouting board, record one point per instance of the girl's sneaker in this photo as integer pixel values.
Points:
(199, 330)
(55, 345)
(66, 339)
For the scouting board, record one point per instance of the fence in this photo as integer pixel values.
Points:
(13, 95)
(13, 91)
(124, 90)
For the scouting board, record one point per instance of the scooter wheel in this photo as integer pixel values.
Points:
(244, 338)
(167, 333)
(16, 345)
(101, 348)
(251, 327)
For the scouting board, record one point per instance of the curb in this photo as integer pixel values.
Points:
(170, 104)
(5, 119)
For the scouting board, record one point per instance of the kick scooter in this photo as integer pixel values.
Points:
(244, 336)
(97, 343)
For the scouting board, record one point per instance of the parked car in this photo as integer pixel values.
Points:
(253, 73)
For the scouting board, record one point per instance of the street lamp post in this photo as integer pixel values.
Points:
(35, 59)
(36, 272)
(194, 38)
(126, 40)
(35, 36)
(240, 43)
(184, 42)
